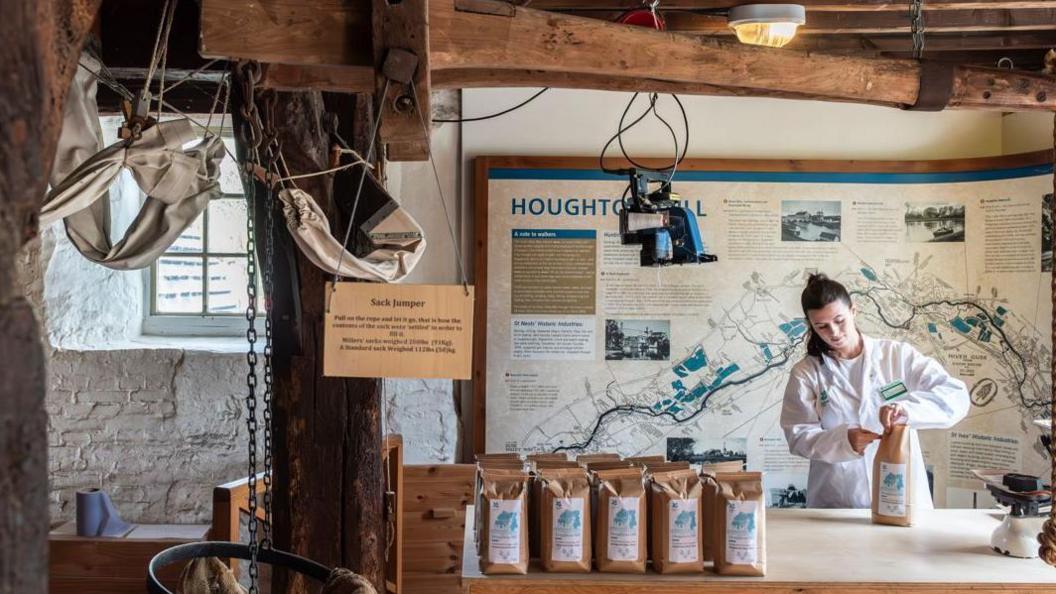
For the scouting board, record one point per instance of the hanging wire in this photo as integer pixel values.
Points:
(650, 109)
(440, 189)
(359, 190)
(494, 115)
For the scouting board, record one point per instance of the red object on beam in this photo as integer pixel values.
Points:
(643, 17)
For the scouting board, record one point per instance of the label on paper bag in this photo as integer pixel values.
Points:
(623, 528)
(892, 490)
(742, 537)
(683, 542)
(568, 530)
(504, 531)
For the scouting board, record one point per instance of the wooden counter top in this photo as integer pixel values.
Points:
(821, 551)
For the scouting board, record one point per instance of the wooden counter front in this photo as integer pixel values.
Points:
(814, 551)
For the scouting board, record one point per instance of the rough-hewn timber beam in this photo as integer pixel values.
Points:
(811, 5)
(497, 37)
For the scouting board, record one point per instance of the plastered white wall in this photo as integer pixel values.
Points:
(1026, 131)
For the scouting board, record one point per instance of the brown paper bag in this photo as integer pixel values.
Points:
(504, 535)
(535, 490)
(547, 456)
(597, 465)
(505, 466)
(739, 546)
(498, 456)
(538, 465)
(643, 460)
(654, 467)
(621, 521)
(893, 479)
(708, 489)
(584, 459)
(564, 521)
(676, 524)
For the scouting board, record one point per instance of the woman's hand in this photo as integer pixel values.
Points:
(860, 438)
(891, 415)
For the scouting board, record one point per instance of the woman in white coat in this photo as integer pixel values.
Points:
(834, 410)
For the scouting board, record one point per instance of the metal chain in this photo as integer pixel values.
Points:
(273, 150)
(251, 138)
(916, 26)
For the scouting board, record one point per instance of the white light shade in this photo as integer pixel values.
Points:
(772, 25)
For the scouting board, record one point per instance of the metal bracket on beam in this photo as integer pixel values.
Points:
(401, 56)
(936, 87)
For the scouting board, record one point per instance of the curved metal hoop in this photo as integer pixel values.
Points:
(197, 550)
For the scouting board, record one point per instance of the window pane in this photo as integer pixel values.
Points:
(179, 285)
(227, 226)
(230, 177)
(190, 240)
(227, 286)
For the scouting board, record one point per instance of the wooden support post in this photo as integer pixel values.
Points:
(328, 499)
(401, 37)
(41, 44)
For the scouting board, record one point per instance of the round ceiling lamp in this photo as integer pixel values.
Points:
(771, 25)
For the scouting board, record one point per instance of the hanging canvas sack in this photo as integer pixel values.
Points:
(620, 546)
(892, 479)
(564, 521)
(739, 547)
(504, 534)
(676, 522)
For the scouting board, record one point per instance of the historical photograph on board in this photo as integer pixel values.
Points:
(1046, 233)
(787, 492)
(810, 220)
(937, 221)
(638, 340)
(701, 451)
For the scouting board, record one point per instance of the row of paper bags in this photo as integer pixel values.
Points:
(620, 514)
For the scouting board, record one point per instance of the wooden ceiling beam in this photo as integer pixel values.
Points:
(842, 23)
(934, 44)
(810, 5)
(496, 37)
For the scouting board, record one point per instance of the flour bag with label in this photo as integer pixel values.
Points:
(620, 546)
(676, 524)
(504, 535)
(739, 547)
(564, 519)
(892, 476)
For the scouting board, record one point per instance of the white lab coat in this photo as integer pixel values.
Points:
(818, 430)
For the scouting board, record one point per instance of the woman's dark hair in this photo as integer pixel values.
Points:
(819, 292)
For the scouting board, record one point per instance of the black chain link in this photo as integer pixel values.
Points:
(916, 27)
(273, 150)
(251, 138)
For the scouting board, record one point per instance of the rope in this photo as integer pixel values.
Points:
(325, 171)
(1047, 538)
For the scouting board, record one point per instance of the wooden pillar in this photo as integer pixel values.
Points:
(41, 43)
(328, 473)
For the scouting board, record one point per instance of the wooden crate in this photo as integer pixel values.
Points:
(434, 521)
(86, 565)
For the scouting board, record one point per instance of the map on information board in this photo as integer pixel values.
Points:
(588, 351)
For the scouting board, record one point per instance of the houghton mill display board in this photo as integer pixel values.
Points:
(586, 350)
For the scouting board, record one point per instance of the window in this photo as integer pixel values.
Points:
(198, 286)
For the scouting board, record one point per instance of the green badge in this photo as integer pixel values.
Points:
(824, 397)
(893, 390)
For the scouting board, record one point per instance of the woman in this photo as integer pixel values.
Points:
(833, 409)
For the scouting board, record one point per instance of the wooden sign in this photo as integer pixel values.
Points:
(387, 330)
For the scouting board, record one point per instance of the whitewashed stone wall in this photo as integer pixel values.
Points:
(159, 427)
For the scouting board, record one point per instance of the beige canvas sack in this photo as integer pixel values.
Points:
(676, 522)
(564, 521)
(620, 544)
(892, 479)
(504, 535)
(739, 546)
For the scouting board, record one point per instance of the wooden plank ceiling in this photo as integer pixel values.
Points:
(962, 31)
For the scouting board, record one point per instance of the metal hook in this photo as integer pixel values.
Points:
(1011, 64)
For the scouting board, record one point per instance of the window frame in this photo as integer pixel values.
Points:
(202, 323)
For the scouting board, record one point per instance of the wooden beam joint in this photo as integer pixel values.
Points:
(401, 58)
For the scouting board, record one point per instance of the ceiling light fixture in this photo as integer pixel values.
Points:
(772, 25)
